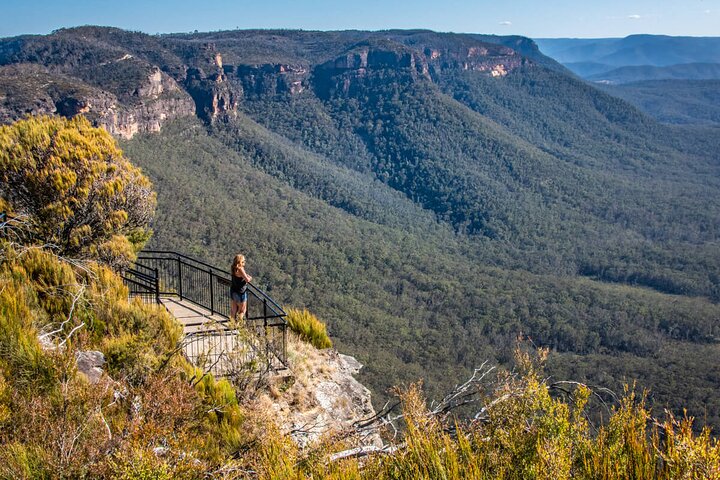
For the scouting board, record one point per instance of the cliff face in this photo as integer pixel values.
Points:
(131, 83)
(219, 89)
(271, 79)
(33, 89)
(372, 62)
(322, 397)
(496, 61)
(214, 93)
(156, 100)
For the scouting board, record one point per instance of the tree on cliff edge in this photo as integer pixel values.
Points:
(74, 188)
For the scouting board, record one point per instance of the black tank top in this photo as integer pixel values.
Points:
(239, 285)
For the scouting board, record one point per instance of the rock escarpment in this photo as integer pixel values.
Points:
(131, 83)
(219, 92)
(321, 398)
(390, 61)
(157, 99)
(33, 89)
(271, 79)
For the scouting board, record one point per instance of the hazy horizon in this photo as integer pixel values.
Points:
(557, 19)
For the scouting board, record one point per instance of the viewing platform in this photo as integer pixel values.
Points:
(197, 295)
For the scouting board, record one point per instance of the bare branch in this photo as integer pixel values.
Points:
(365, 451)
(70, 334)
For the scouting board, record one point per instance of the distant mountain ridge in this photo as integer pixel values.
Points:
(677, 72)
(655, 50)
(685, 71)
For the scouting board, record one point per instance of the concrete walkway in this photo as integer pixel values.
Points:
(192, 317)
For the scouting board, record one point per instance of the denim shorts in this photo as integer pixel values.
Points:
(239, 297)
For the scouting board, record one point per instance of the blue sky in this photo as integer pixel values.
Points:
(548, 18)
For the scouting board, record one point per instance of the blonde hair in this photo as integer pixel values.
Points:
(238, 261)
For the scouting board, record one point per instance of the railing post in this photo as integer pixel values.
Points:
(179, 269)
(265, 314)
(157, 286)
(265, 329)
(212, 294)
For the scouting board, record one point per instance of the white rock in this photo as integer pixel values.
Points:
(89, 363)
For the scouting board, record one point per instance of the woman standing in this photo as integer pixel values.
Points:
(238, 288)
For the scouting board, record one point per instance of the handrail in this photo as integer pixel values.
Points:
(218, 271)
(146, 284)
(186, 257)
(146, 268)
(141, 275)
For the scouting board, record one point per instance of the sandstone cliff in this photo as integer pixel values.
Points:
(129, 82)
(33, 89)
(368, 60)
(321, 397)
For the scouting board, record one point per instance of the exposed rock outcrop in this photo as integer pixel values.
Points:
(218, 92)
(32, 89)
(146, 117)
(322, 396)
(153, 102)
(496, 60)
(365, 61)
(360, 64)
(215, 96)
(89, 363)
(271, 79)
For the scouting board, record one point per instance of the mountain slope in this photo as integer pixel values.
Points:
(682, 102)
(412, 305)
(498, 156)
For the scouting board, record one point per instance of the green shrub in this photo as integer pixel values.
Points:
(75, 188)
(22, 359)
(308, 327)
(141, 466)
(21, 461)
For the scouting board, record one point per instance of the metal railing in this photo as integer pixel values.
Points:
(221, 352)
(192, 280)
(142, 282)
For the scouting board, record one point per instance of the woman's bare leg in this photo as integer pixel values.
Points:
(233, 309)
(243, 309)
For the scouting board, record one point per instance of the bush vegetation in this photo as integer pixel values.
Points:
(524, 432)
(55, 424)
(72, 186)
(54, 421)
(308, 327)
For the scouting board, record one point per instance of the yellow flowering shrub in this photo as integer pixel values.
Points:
(73, 187)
